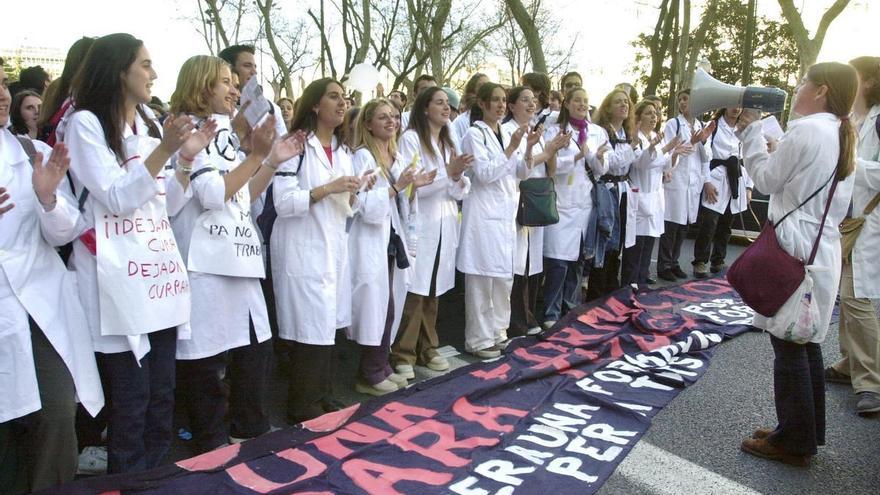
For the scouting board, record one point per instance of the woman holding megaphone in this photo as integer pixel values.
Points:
(809, 175)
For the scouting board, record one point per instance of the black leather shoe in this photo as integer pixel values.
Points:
(678, 272)
(667, 275)
(651, 281)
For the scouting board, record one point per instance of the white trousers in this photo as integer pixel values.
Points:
(487, 311)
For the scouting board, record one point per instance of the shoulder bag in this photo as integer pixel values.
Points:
(764, 275)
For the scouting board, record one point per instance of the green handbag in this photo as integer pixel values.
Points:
(537, 203)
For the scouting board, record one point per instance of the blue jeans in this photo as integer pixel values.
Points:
(141, 404)
(562, 281)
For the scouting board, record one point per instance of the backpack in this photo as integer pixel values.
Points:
(266, 219)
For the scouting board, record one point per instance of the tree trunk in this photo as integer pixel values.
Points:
(444, 7)
(265, 7)
(808, 48)
(749, 43)
(699, 40)
(533, 38)
(672, 105)
(680, 68)
(659, 46)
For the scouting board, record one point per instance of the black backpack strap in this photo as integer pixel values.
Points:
(28, 146)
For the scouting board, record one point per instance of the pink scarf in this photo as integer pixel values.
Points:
(581, 126)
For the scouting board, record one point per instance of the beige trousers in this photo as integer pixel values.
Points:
(859, 337)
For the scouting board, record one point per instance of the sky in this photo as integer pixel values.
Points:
(603, 54)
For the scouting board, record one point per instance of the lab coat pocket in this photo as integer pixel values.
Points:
(305, 258)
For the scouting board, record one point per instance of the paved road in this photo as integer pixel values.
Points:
(693, 445)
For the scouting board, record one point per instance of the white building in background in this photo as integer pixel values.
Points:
(50, 59)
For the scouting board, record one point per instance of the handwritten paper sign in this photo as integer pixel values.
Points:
(143, 284)
(225, 242)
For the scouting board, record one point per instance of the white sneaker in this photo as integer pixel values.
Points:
(534, 331)
(438, 363)
(400, 380)
(490, 353)
(405, 371)
(92, 461)
(549, 324)
(384, 387)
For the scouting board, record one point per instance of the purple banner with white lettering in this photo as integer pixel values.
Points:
(556, 414)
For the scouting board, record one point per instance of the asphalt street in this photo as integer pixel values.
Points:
(692, 446)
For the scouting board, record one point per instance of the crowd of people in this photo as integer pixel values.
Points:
(331, 214)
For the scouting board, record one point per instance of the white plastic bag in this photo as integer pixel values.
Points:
(798, 319)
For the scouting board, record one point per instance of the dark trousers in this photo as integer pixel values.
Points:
(207, 399)
(713, 235)
(417, 339)
(374, 365)
(523, 299)
(39, 451)
(562, 280)
(799, 393)
(140, 401)
(670, 245)
(310, 386)
(637, 261)
(606, 279)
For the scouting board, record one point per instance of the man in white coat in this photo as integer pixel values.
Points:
(46, 358)
(728, 191)
(683, 187)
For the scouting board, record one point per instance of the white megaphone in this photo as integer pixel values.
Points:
(708, 93)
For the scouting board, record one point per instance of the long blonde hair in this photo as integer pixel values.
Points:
(362, 137)
(843, 84)
(195, 83)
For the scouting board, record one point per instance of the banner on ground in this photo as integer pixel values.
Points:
(555, 414)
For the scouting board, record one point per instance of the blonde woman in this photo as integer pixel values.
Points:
(287, 107)
(229, 323)
(377, 246)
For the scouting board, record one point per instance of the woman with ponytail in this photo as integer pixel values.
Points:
(815, 160)
(860, 282)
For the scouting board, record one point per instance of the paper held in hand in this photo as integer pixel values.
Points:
(771, 128)
(259, 107)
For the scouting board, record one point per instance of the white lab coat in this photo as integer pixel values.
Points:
(94, 166)
(310, 248)
(646, 176)
(620, 161)
(488, 225)
(866, 275)
(221, 305)
(458, 128)
(805, 159)
(562, 240)
(688, 175)
(723, 145)
(368, 252)
(529, 240)
(436, 220)
(34, 281)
